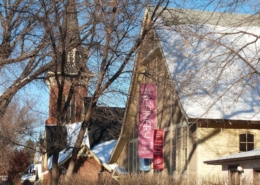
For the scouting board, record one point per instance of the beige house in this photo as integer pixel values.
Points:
(241, 167)
(205, 66)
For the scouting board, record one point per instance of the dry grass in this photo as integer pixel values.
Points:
(146, 179)
(133, 179)
(80, 180)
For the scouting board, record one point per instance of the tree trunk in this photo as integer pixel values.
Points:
(55, 169)
(78, 143)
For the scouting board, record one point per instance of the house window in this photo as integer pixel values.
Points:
(246, 142)
(174, 151)
(133, 161)
(68, 117)
(184, 149)
(135, 157)
(74, 109)
(71, 114)
(179, 152)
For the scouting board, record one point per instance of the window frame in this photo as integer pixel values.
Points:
(246, 142)
(133, 160)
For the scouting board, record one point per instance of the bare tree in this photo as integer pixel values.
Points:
(37, 37)
(15, 127)
(220, 47)
(24, 54)
(116, 42)
(213, 59)
(24, 57)
(100, 47)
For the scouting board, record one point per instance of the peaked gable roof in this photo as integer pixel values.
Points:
(100, 152)
(214, 62)
(191, 49)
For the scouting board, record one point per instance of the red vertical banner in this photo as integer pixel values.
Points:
(158, 150)
(147, 120)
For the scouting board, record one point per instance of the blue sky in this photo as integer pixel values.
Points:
(234, 6)
(39, 93)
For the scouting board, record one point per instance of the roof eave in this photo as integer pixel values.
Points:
(221, 161)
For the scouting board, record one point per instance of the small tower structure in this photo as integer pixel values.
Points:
(70, 69)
